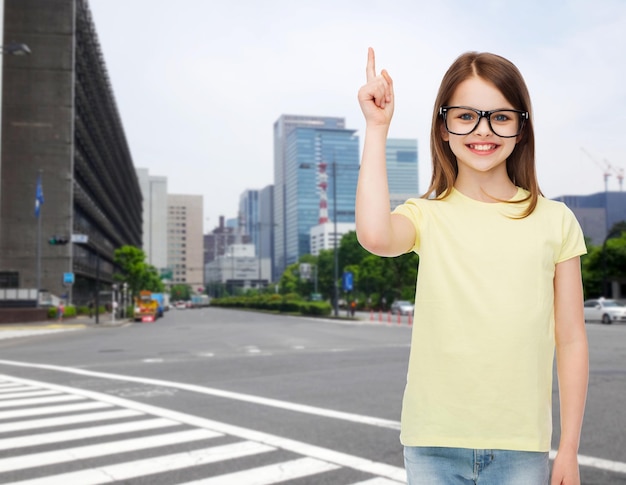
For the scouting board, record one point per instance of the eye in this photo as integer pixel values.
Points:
(465, 115)
(501, 117)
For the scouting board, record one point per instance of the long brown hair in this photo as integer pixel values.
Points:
(508, 80)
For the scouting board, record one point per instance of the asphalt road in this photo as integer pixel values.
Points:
(226, 395)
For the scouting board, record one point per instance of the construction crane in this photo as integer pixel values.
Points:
(608, 170)
(619, 174)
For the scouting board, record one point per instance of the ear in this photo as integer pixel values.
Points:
(444, 133)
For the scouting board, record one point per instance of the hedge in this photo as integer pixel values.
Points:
(275, 303)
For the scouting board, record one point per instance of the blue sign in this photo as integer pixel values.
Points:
(348, 283)
(68, 278)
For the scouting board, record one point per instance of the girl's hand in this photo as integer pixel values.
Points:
(565, 469)
(376, 97)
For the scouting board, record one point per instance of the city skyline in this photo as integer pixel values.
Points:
(203, 83)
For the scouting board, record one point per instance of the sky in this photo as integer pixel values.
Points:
(200, 83)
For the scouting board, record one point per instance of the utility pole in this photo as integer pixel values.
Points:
(336, 262)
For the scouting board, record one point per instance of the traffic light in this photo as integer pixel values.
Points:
(57, 240)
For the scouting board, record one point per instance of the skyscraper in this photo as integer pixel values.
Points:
(154, 237)
(305, 146)
(249, 213)
(402, 169)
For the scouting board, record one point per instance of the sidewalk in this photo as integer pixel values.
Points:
(81, 321)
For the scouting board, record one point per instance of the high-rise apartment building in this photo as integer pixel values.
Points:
(60, 121)
(185, 241)
(310, 151)
(154, 229)
(402, 170)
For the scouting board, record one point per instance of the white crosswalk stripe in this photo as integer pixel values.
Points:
(67, 420)
(54, 434)
(267, 475)
(77, 434)
(32, 393)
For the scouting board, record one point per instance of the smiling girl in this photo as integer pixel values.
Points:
(499, 285)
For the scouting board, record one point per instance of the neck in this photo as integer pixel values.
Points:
(486, 187)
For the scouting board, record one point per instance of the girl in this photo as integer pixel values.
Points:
(499, 285)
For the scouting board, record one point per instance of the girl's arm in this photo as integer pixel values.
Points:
(377, 230)
(572, 357)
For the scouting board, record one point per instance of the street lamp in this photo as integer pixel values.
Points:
(336, 254)
(15, 49)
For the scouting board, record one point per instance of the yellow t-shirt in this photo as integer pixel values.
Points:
(480, 369)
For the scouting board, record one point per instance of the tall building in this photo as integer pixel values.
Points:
(249, 213)
(597, 213)
(265, 229)
(185, 253)
(402, 170)
(256, 212)
(60, 121)
(154, 229)
(305, 147)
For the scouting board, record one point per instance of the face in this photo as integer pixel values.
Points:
(480, 151)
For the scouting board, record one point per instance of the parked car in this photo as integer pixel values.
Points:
(604, 310)
(402, 307)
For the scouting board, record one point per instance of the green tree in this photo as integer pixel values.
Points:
(374, 277)
(138, 274)
(180, 292)
(350, 251)
(605, 262)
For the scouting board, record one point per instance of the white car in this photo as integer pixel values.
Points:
(604, 310)
(402, 307)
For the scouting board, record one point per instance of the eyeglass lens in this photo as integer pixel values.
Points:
(462, 121)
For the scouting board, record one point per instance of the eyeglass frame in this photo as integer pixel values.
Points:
(443, 110)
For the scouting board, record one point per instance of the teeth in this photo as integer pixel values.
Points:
(482, 147)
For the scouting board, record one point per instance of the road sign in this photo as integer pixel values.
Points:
(305, 271)
(80, 238)
(68, 278)
(348, 281)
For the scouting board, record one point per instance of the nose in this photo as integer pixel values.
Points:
(483, 127)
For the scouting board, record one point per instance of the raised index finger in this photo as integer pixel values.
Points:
(370, 69)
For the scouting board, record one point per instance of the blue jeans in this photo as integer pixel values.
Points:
(461, 466)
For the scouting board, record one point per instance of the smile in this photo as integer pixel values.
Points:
(483, 147)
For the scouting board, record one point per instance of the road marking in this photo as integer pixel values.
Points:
(602, 464)
(394, 473)
(102, 449)
(384, 423)
(66, 408)
(10, 387)
(81, 433)
(138, 468)
(376, 481)
(25, 393)
(66, 420)
(301, 408)
(266, 475)
(11, 403)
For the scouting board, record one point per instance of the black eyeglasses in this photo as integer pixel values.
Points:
(461, 120)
